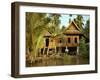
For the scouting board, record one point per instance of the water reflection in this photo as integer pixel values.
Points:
(58, 60)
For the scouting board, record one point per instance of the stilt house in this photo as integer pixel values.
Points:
(68, 41)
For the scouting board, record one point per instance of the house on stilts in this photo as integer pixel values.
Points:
(68, 41)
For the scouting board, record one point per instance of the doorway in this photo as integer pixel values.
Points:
(47, 42)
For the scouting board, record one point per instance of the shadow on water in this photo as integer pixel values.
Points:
(57, 60)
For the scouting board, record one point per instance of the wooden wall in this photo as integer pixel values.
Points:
(55, 42)
(72, 41)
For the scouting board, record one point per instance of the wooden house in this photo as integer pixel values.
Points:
(49, 43)
(68, 40)
(73, 35)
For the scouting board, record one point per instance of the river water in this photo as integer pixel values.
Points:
(58, 61)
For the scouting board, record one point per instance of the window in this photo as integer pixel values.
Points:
(60, 41)
(75, 40)
(68, 40)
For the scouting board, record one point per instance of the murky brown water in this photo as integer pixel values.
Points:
(58, 60)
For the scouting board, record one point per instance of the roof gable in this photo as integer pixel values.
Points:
(72, 29)
(73, 26)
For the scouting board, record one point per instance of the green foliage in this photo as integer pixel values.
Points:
(84, 42)
(79, 21)
(63, 28)
(54, 24)
(36, 24)
(84, 48)
(86, 30)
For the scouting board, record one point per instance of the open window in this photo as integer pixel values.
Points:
(69, 40)
(76, 40)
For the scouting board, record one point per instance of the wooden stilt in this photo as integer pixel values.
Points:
(43, 50)
(47, 50)
(77, 50)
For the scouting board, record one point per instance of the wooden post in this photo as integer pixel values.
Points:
(43, 50)
(47, 50)
(77, 50)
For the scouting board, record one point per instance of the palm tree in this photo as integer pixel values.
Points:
(35, 25)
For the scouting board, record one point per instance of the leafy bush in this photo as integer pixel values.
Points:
(84, 48)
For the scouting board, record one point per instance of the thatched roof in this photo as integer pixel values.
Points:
(72, 32)
(75, 30)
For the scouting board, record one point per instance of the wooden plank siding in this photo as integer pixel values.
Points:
(72, 32)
